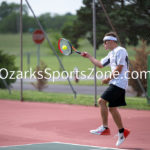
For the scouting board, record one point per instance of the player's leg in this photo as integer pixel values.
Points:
(103, 111)
(116, 117)
(103, 129)
(122, 133)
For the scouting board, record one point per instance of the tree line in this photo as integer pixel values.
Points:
(10, 19)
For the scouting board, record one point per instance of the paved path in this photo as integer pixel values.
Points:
(66, 88)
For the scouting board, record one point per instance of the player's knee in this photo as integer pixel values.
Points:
(101, 102)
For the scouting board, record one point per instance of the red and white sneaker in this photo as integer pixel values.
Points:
(122, 137)
(101, 131)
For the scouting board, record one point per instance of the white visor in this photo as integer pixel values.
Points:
(109, 38)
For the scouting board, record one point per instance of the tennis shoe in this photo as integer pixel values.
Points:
(122, 137)
(101, 131)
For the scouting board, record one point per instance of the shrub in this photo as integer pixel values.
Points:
(139, 65)
(40, 77)
(8, 62)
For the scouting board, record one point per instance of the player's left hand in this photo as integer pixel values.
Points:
(105, 81)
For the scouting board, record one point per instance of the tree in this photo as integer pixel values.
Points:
(10, 16)
(55, 22)
(6, 9)
(29, 23)
(68, 29)
(130, 18)
(45, 20)
(139, 65)
(10, 24)
(13, 19)
(7, 64)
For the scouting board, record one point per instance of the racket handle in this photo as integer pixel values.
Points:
(78, 52)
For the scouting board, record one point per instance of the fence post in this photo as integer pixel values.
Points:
(148, 78)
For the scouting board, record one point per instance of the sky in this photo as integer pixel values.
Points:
(52, 6)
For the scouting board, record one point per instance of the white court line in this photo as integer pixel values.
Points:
(62, 143)
(90, 146)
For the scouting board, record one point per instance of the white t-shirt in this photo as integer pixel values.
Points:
(115, 57)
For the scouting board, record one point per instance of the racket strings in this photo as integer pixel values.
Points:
(64, 43)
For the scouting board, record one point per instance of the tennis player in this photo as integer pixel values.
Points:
(114, 95)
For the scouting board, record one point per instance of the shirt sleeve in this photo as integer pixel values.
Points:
(105, 61)
(121, 57)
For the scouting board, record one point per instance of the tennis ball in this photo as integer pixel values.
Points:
(64, 47)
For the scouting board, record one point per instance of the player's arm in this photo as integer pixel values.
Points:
(92, 59)
(121, 61)
(114, 74)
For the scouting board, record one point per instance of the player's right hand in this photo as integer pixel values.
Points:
(85, 54)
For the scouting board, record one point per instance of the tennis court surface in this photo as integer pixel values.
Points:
(25, 123)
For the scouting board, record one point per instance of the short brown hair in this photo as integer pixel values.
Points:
(111, 34)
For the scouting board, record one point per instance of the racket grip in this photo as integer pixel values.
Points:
(78, 52)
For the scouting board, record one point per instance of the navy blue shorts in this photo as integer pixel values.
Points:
(114, 95)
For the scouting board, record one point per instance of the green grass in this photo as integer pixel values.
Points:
(69, 64)
(81, 82)
(87, 100)
(48, 97)
(10, 43)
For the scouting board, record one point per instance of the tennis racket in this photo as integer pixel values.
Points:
(66, 48)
